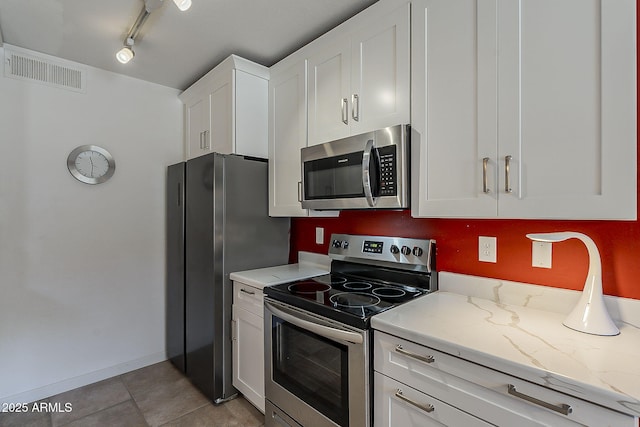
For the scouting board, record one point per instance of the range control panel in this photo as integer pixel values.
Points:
(397, 250)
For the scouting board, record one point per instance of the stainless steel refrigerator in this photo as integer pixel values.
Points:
(217, 223)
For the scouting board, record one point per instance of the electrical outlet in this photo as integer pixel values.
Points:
(319, 235)
(541, 254)
(487, 249)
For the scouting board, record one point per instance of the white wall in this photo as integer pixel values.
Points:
(82, 266)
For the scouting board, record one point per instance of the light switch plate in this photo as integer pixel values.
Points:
(541, 254)
(487, 249)
(319, 235)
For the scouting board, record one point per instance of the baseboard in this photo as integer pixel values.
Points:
(82, 380)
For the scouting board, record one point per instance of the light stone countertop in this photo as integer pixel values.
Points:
(517, 329)
(309, 265)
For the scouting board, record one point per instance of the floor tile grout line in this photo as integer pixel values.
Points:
(102, 410)
(135, 402)
(186, 413)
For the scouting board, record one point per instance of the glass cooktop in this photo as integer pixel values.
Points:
(347, 299)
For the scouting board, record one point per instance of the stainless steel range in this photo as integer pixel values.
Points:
(317, 331)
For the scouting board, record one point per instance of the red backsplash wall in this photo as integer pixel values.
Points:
(457, 245)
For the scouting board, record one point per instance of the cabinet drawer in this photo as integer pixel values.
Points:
(248, 298)
(488, 394)
(396, 404)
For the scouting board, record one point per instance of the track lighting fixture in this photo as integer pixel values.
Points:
(183, 4)
(126, 54)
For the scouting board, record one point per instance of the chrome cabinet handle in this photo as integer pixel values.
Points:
(485, 177)
(425, 407)
(201, 147)
(355, 107)
(206, 139)
(507, 173)
(426, 359)
(247, 292)
(345, 112)
(300, 191)
(563, 408)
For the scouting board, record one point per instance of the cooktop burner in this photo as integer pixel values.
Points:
(308, 287)
(355, 300)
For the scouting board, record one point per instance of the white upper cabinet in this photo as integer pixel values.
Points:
(287, 136)
(359, 80)
(351, 80)
(226, 110)
(524, 109)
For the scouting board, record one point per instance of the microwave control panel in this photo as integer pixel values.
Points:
(388, 185)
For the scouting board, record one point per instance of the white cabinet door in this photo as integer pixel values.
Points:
(287, 136)
(248, 356)
(329, 92)
(198, 128)
(396, 404)
(567, 108)
(454, 102)
(221, 117)
(524, 109)
(250, 115)
(380, 63)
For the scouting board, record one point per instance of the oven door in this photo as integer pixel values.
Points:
(317, 370)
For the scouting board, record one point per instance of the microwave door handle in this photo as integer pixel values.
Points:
(324, 331)
(366, 173)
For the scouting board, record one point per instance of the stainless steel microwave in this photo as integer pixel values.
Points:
(367, 171)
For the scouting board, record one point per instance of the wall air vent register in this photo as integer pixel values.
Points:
(26, 65)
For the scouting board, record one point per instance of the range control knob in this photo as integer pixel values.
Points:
(406, 250)
(417, 251)
(345, 244)
(394, 249)
(337, 244)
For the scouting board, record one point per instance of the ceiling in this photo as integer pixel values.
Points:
(173, 48)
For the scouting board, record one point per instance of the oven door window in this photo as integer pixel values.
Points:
(334, 177)
(312, 368)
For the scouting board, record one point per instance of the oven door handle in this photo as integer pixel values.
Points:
(324, 331)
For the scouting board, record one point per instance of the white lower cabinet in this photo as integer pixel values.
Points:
(248, 343)
(396, 404)
(454, 387)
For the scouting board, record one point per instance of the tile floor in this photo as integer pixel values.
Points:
(156, 395)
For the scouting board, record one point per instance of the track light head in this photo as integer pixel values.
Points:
(183, 4)
(126, 54)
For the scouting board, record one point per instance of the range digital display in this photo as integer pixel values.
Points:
(372, 247)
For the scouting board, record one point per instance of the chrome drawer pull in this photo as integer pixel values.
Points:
(426, 359)
(563, 408)
(426, 408)
(247, 292)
